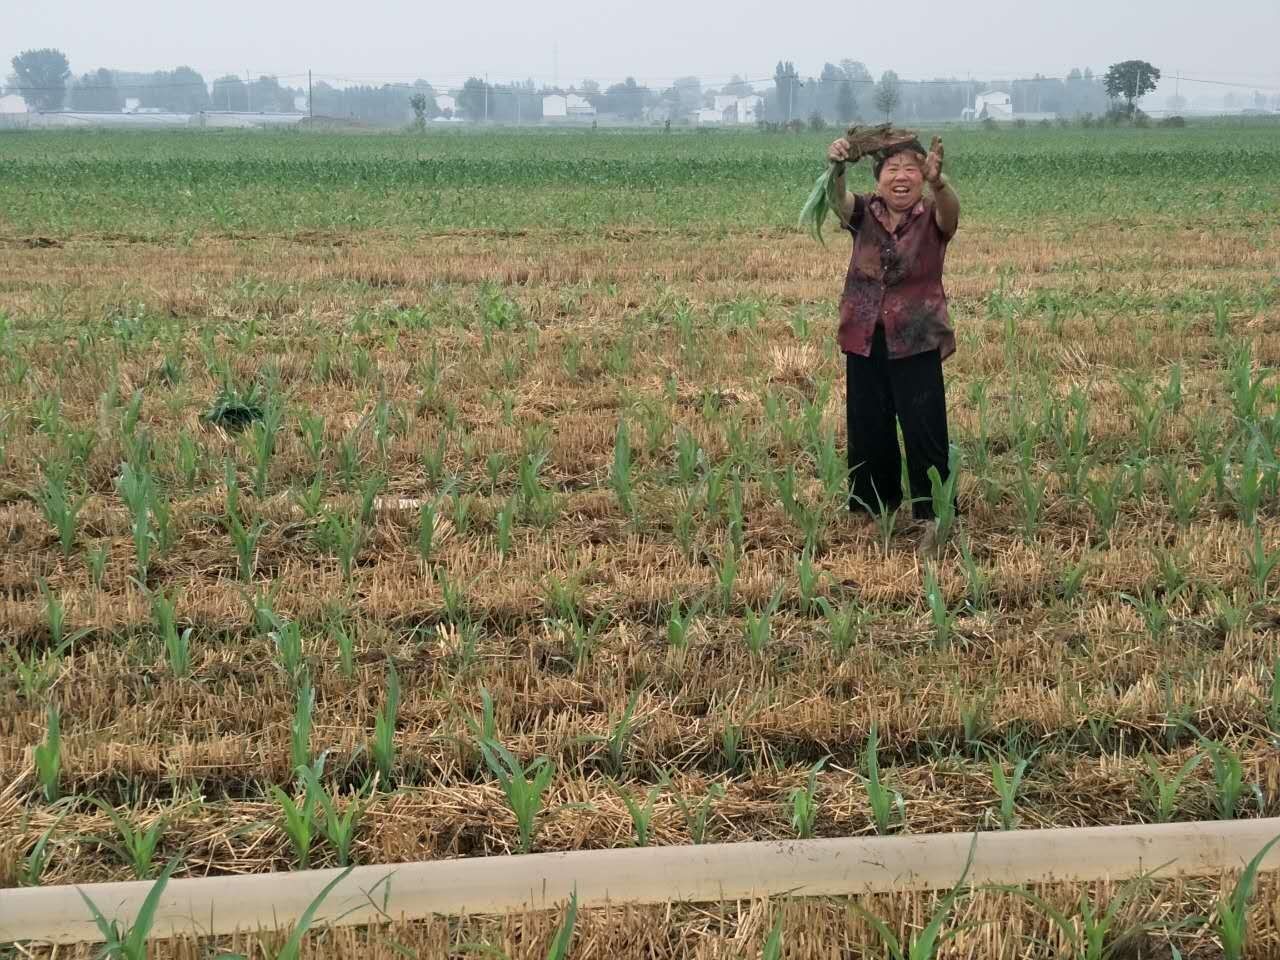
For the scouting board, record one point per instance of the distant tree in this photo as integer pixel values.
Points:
(266, 95)
(737, 87)
(590, 90)
(1130, 80)
(846, 102)
(857, 72)
(471, 101)
(626, 99)
(687, 93)
(97, 92)
(41, 78)
(830, 83)
(888, 93)
(786, 81)
(229, 93)
(184, 92)
(419, 104)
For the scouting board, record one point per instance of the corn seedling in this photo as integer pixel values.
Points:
(1072, 578)
(882, 799)
(299, 821)
(808, 580)
(177, 643)
(1031, 495)
(245, 542)
(61, 508)
(300, 726)
(1104, 502)
(345, 641)
(338, 828)
(943, 495)
(623, 730)
(726, 575)
(292, 948)
(942, 619)
(730, 746)
(922, 945)
(1007, 787)
(130, 943)
(804, 804)
(343, 536)
(1249, 485)
(486, 728)
(758, 626)
(48, 755)
(621, 477)
(977, 580)
(135, 847)
(695, 814)
(287, 640)
(523, 786)
(1162, 792)
(96, 560)
(885, 520)
(384, 727)
(135, 488)
(772, 949)
(680, 625)
(1232, 913)
(1262, 565)
(55, 613)
(641, 813)
(1091, 933)
(844, 623)
(1153, 610)
(1228, 777)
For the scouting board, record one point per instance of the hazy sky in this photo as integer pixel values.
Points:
(654, 40)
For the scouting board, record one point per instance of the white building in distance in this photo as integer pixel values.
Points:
(557, 106)
(994, 104)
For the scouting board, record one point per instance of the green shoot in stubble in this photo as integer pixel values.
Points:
(130, 943)
(943, 496)
(885, 520)
(621, 476)
(772, 949)
(622, 732)
(726, 575)
(1091, 934)
(1249, 486)
(641, 812)
(338, 828)
(344, 638)
(882, 799)
(292, 948)
(1161, 792)
(136, 847)
(299, 819)
(287, 640)
(55, 612)
(48, 755)
(758, 627)
(1232, 913)
(61, 508)
(486, 728)
(244, 540)
(844, 623)
(680, 625)
(426, 529)
(695, 815)
(1104, 502)
(177, 643)
(804, 803)
(940, 616)
(1262, 565)
(33, 865)
(977, 580)
(730, 746)
(1228, 777)
(505, 520)
(1007, 787)
(300, 726)
(925, 944)
(384, 728)
(523, 787)
(808, 581)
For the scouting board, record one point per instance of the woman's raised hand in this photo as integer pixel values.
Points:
(839, 152)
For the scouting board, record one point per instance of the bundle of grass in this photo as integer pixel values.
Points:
(863, 141)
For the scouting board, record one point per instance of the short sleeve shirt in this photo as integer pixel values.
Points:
(895, 282)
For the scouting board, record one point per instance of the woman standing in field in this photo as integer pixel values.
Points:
(894, 329)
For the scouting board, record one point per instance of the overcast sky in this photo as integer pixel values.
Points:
(654, 40)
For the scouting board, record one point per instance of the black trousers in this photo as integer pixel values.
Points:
(882, 394)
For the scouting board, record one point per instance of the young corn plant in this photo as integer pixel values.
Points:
(1231, 919)
(287, 640)
(943, 495)
(695, 814)
(804, 804)
(885, 520)
(135, 486)
(680, 626)
(1228, 777)
(924, 944)
(339, 829)
(300, 726)
(1007, 787)
(940, 615)
(809, 581)
(384, 728)
(299, 821)
(977, 580)
(177, 643)
(136, 847)
(244, 540)
(32, 866)
(130, 943)
(292, 948)
(1262, 565)
(48, 755)
(623, 731)
(1092, 933)
(523, 787)
(61, 508)
(882, 799)
(844, 623)
(758, 626)
(622, 476)
(1161, 792)
(641, 812)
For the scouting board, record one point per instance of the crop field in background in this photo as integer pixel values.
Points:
(417, 460)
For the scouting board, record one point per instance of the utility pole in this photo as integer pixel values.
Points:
(311, 111)
(486, 98)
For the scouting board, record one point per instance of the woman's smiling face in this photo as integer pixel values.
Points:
(901, 182)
